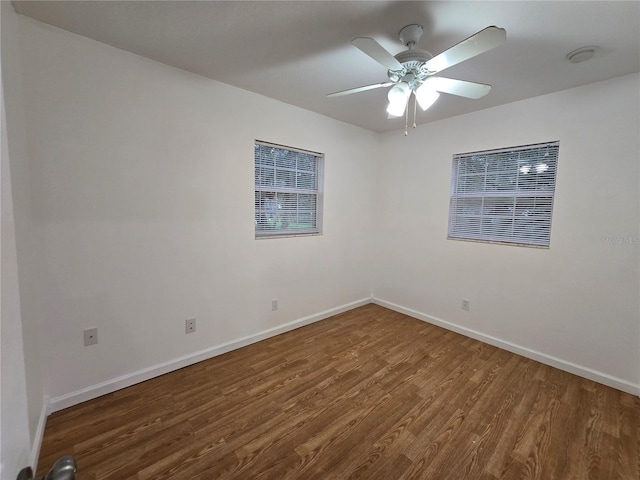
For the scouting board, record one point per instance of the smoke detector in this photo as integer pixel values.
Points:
(582, 54)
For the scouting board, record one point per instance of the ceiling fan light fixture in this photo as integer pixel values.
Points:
(426, 96)
(396, 109)
(399, 92)
(398, 95)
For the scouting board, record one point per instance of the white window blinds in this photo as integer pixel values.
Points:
(504, 195)
(288, 187)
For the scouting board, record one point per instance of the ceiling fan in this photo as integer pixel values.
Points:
(414, 70)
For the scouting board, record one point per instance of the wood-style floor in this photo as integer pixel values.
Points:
(366, 394)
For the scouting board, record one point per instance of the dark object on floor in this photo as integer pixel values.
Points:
(63, 469)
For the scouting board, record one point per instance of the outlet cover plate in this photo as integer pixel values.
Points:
(90, 336)
(190, 325)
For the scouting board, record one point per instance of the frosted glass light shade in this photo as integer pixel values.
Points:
(396, 109)
(426, 96)
(398, 95)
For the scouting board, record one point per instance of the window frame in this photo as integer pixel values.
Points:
(526, 208)
(316, 191)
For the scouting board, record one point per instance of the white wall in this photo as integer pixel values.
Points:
(577, 301)
(22, 392)
(141, 190)
(15, 439)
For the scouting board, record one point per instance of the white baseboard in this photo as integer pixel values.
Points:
(39, 433)
(564, 365)
(109, 386)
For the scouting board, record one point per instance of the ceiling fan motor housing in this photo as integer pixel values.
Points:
(413, 62)
(413, 59)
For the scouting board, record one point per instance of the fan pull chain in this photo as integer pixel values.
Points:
(406, 115)
(406, 119)
(415, 104)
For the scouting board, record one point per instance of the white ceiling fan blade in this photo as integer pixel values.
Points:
(377, 52)
(360, 89)
(481, 42)
(458, 87)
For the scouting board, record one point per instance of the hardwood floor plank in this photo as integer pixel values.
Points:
(367, 394)
(366, 422)
(488, 436)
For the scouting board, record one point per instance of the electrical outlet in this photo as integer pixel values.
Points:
(190, 325)
(90, 336)
(466, 303)
(274, 304)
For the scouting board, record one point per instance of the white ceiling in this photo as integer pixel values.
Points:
(297, 52)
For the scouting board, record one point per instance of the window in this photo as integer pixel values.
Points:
(288, 191)
(505, 195)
